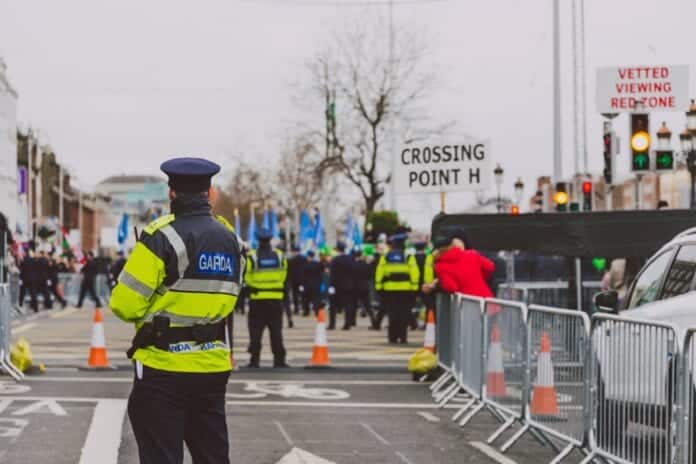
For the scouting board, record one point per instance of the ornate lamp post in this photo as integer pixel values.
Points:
(498, 173)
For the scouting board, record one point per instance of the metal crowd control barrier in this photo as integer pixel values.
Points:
(635, 371)
(6, 333)
(553, 294)
(557, 397)
(443, 335)
(506, 367)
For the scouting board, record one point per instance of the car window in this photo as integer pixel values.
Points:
(681, 274)
(647, 286)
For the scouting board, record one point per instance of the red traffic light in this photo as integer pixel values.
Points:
(515, 210)
(587, 187)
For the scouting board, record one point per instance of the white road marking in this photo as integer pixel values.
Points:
(4, 403)
(35, 408)
(299, 456)
(231, 381)
(403, 458)
(428, 416)
(12, 428)
(23, 328)
(13, 388)
(284, 432)
(322, 404)
(491, 453)
(104, 435)
(379, 437)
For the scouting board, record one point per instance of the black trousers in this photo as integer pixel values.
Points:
(34, 289)
(398, 307)
(54, 291)
(262, 314)
(344, 300)
(310, 298)
(87, 287)
(296, 298)
(167, 409)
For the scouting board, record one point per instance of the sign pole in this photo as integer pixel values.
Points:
(442, 202)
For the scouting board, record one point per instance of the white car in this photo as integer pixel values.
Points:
(635, 375)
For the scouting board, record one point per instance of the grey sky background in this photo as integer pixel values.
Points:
(116, 87)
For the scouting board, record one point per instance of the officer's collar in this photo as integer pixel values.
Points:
(190, 204)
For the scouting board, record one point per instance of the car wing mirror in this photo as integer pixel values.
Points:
(607, 302)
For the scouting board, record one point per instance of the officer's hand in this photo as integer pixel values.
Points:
(301, 288)
(332, 291)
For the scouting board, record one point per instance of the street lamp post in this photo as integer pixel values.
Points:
(498, 173)
(691, 151)
(519, 191)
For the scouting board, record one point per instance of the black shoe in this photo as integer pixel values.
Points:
(363, 314)
(280, 365)
(331, 327)
(345, 327)
(252, 365)
(291, 324)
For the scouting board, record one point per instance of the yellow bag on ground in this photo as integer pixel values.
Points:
(422, 361)
(20, 354)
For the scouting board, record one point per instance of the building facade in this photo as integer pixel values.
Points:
(8, 149)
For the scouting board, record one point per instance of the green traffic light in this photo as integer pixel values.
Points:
(641, 162)
(664, 160)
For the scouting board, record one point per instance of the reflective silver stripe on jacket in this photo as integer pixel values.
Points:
(134, 284)
(179, 320)
(179, 248)
(206, 286)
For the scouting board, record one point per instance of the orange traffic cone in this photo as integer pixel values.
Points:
(320, 351)
(97, 350)
(544, 401)
(495, 381)
(429, 343)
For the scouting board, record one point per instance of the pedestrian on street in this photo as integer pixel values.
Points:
(342, 280)
(396, 278)
(89, 277)
(266, 274)
(461, 269)
(53, 282)
(29, 275)
(116, 268)
(311, 281)
(427, 276)
(362, 272)
(43, 279)
(296, 265)
(179, 286)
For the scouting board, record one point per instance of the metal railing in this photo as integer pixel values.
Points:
(553, 294)
(620, 390)
(6, 333)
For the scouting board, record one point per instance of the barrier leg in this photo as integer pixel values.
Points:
(9, 363)
(10, 371)
(497, 414)
(565, 452)
(445, 386)
(515, 437)
(471, 415)
(588, 459)
(506, 425)
(451, 393)
(465, 408)
(441, 380)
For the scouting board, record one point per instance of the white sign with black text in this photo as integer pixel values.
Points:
(443, 167)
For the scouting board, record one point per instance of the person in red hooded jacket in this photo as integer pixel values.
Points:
(461, 269)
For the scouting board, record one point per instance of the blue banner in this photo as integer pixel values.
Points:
(275, 227)
(251, 232)
(123, 230)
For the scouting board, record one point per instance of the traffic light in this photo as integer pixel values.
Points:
(515, 210)
(608, 156)
(664, 160)
(561, 197)
(574, 207)
(587, 196)
(640, 142)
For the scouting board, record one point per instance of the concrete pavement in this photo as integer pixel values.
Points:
(365, 410)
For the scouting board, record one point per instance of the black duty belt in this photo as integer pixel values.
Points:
(159, 334)
(397, 277)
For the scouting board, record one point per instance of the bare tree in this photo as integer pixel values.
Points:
(371, 83)
(297, 185)
(247, 186)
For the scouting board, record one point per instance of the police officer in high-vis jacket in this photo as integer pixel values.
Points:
(396, 280)
(266, 273)
(178, 287)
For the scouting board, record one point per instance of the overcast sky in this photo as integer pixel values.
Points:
(117, 87)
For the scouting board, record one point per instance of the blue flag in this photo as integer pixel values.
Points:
(266, 220)
(357, 234)
(306, 230)
(123, 230)
(251, 232)
(319, 237)
(275, 227)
